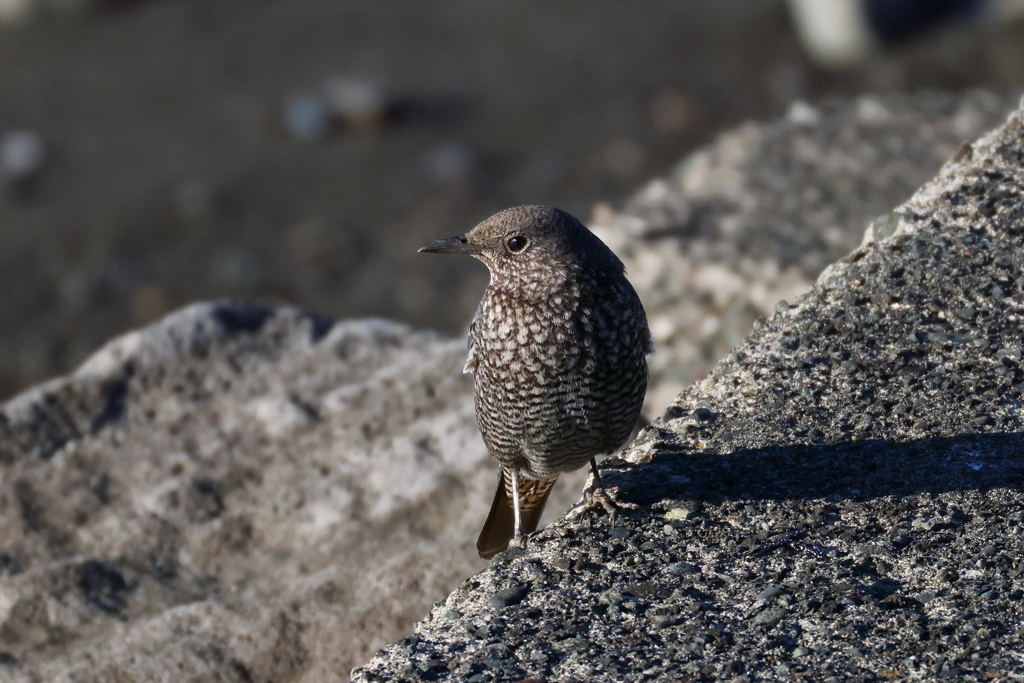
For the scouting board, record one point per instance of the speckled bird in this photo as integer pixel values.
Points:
(558, 352)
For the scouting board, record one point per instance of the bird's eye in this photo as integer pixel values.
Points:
(516, 243)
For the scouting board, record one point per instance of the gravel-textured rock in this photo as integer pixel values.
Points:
(754, 218)
(237, 493)
(246, 493)
(840, 500)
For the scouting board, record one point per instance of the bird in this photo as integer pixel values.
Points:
(557, 349)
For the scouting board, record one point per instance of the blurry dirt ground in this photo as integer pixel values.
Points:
(169, 176)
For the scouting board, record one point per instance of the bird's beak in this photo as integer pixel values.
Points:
(451, 245)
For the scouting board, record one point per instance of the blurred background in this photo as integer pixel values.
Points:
(158, 152)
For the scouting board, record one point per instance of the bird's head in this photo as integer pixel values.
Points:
(532, 243)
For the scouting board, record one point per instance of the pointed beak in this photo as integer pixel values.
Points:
(451, 245)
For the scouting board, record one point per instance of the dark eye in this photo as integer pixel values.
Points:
(516, 243)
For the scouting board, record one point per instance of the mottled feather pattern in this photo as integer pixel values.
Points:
(532, 492)
(557, 350)
(560, 370)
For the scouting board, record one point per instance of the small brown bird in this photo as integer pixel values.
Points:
(557, 350)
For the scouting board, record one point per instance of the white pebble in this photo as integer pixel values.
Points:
(358, 102)
(306, 118)
(21, 154)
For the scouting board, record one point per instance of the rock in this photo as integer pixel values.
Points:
(15, 12)
(21, 154)
(237, 493)
(810, 472)
(507, 597)
(253, 493)
(770, 592)
(754, 218)
(21, 12)
(342, 103)
(306, 118)
(22, 162)
(358, 103)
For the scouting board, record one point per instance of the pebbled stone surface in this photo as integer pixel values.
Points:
(250, 493)
(841, 499)
(236, 493)
(755, 217)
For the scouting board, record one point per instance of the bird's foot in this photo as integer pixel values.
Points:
(520, 540)
(597, 496)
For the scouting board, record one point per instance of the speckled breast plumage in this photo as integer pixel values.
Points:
(561, 377)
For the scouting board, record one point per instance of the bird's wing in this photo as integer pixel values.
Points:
(648, 341)
(470, 347)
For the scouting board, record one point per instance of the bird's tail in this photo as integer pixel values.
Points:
(500, 526)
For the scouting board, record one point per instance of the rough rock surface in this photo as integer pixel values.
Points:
(840, 500)
(237, 493)
(754, 218)
(243, 493)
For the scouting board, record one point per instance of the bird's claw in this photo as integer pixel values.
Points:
(519, 540)
(599, 497)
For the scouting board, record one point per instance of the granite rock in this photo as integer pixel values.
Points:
(236, 493)
(754, 218)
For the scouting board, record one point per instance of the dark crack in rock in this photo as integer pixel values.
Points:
(103, 585)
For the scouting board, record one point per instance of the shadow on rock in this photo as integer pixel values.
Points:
(857, 470)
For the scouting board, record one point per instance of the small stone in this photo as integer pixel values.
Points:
(512, 595)
(803, 114)
(430, 665)
(770, 617)
(618, 532)
(678, 514)
(22, 153)
(802, 651)
(570, 645)
(958, 517)
(611, 598)
(680, 569)
(770, 592)
(664, 620)
(514, 552)
(923, 523)
(357, 102)
(451, 614)
(885, 225)
(306, 118)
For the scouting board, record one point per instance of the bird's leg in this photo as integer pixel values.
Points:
(518, 539)
(597, 495)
